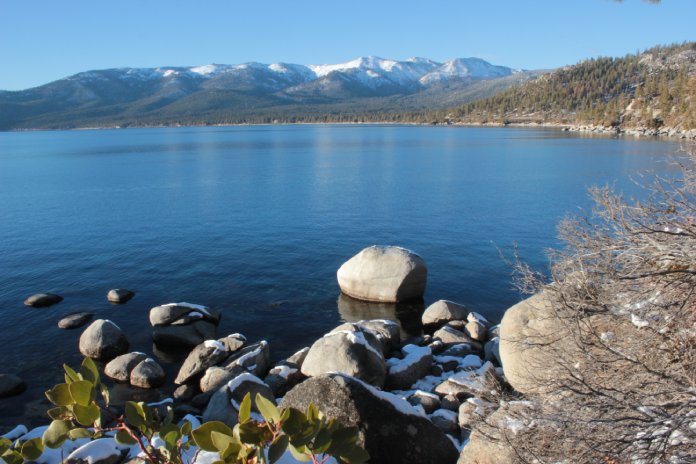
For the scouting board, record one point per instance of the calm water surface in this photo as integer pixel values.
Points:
(256, 220)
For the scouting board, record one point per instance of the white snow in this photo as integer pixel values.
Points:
(399, 403)
(233, 384)
(414, 354)
(195, 307)
(195, 423)
(204, 70)
(252, 354)
(357, 338)
(169, 72)
(638, 321)
(195, 314)
(470, 361)
(481, 406)
(218, 347)
(97, 450)
(445, 414)
(162, 402)
(112, 323)
(283, 371)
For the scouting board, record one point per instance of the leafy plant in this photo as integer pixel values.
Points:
(81, 410)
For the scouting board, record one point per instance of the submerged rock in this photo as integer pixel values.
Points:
(11, 385)
(383, 273)
(75, 320)
(103, 340)
(43, 300)
(390, 429)
(119, 295)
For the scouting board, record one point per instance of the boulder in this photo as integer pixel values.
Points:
(103, 340)
(491, 351)
(529, 335)
(184, 392)
(383, 273)
(387, 332)
(299, 357)
(119, 295)
(233, 342)
(476, 330)
(203, 356)
(75, 320)
(450, 403)
(353, 351)
(255, 358)
(215, 377)
(451, 336)
(220, 408)
(147, 374)
(120, 367)
(473, 411)
(445, 420)
(184, 335)
(43, 300)
(481, 382)
(11, 385)
(390, 429)
(428, 401)
(442, 312)
(248, 383)
(416, 363)
(168, 314)
(283, 377)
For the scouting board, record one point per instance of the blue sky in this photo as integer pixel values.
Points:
(48, 39)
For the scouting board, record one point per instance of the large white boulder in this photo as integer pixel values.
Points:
(383, 273)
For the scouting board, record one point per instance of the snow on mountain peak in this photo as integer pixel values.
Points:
(205, 70)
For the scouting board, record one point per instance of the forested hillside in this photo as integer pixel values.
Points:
(656, 88)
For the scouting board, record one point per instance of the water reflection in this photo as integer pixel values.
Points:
(407, 315)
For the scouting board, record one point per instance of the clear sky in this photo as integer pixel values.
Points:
(44, 40)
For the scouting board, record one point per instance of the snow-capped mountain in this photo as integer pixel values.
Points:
(153, 93)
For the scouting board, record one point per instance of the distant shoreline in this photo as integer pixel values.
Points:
(664, 132)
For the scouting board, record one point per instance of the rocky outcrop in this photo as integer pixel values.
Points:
(390, 429)
(383, 273)
(103, 340)
(11, 385)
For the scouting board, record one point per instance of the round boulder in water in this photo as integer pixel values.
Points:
(383, 273)
(119, 295)
(103, 340)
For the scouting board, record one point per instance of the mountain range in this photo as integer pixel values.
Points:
(252, 92)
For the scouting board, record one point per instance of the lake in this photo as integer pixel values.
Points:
(256, 220)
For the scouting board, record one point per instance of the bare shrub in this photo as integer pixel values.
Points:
(623, 291)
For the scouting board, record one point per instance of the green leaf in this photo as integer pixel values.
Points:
(343, 439)
(268, 410)
(299, 453)
(86, 415)
(60, 395)
(250, 433)
(74, 434)
(124, 438)
(134, 414)
(186, 428)
(89, 371)
(82, 392)
(105, 394)
(202, 434)
(322, 441)
(32, 449)
(356, 455)
(312, 412)
(5, 444)
(12, 457)
(293, 421)
(245, 409)
(277, 448)
(56, 433)
(71, 374)
(231, 453)
(61, 412)
(220, 440)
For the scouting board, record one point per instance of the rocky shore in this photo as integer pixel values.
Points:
(415, 399)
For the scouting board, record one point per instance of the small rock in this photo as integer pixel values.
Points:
(450, 336)
(103, 340)
(203, 356)
(75, 320)
(443, 311)
(476, 330)
(299, 357)
(474, 410)
(215, 377)
(147, 374)
(201, 400)
(43, 300)
(120, 367)
(119, 295)
(233, 342)
(428, 401)
(99, 451)
(184, 392)
(492, 351)
(11, 385)
(402, 373)
(169, 313)
(445, 420)
(248, 383)
(459, 350)
(283, 377)
(255, 358)
(450, 402)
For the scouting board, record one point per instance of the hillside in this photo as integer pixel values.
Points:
(653, 89)
(253, 92)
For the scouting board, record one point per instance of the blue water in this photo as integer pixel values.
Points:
(255, 221)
